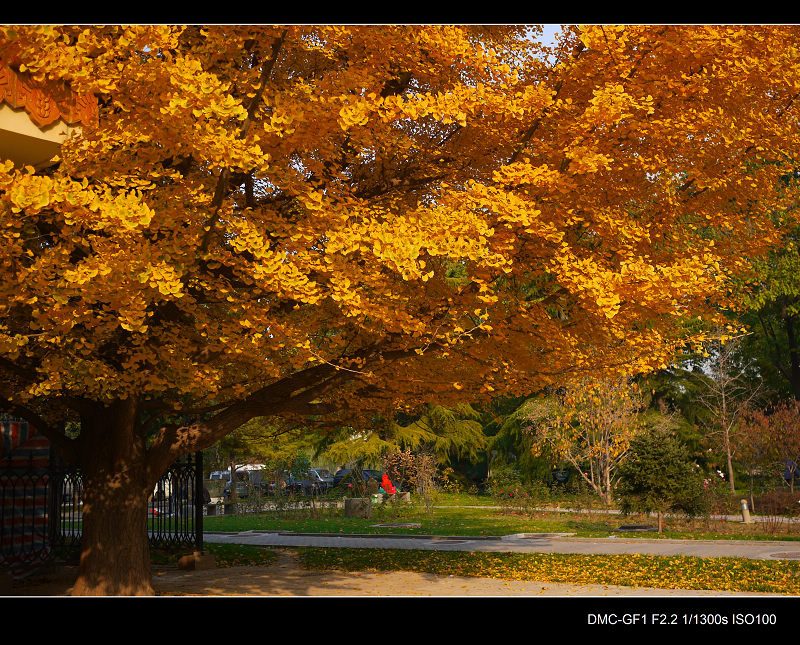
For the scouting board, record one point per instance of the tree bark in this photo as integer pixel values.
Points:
(607, 482)
(729, 460)
(115, 555)
(119, 472)
(115, 550)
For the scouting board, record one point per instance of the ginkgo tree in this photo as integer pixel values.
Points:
(590, 425)
(266, 221)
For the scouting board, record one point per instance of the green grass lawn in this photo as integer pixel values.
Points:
(464, 515)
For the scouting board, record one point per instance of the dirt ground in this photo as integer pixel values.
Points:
(287, 578)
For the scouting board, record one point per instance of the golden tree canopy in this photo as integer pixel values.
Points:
(269, 219)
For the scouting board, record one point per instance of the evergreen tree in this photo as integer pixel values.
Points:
(659, 476)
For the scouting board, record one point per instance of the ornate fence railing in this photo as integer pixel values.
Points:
(41, 509)
(175, 510)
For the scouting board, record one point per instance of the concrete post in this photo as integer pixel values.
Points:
(746, 513)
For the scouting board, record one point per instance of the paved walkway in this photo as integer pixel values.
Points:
(523, 543)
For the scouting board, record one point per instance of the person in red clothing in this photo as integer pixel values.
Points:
(387, 485)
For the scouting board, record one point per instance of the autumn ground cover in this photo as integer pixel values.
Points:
(451, 518)
(633, 570)
(461, 514)
(226, 555)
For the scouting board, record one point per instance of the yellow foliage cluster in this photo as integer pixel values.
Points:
(434, 210)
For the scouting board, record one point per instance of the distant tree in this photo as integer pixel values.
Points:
(770, 439)
(504, 425)
(445, 432)
(659, 476)
(729, 392)
(259, 441)
(590, 427)
(675, 391)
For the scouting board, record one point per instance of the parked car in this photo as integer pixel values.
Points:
(242, 490)
(318, 480)
(245, 481)
(323, 474)
(280, 484)
(343, 475)
(314, 481)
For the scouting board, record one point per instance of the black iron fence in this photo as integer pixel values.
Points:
(41, 510)
(175, 509)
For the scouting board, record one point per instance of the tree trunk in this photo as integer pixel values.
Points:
(115, 550)
(233, 488)
(730, 469)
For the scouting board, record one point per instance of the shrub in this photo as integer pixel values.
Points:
(779, 502)
(505, 480)
(660, 476)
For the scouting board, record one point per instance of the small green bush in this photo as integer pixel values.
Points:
(660, 476)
